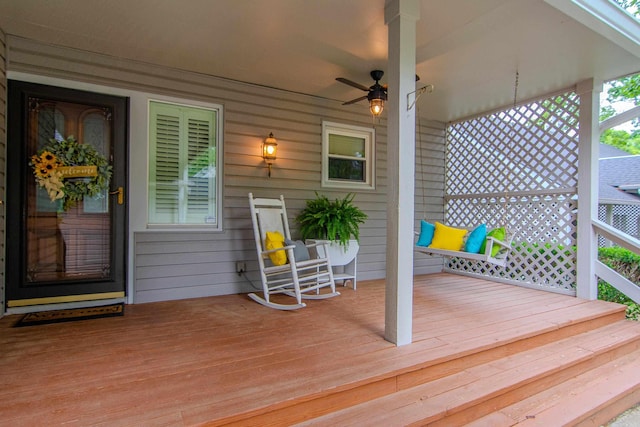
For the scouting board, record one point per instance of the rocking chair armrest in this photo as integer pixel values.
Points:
(315, 244)
(270, 251)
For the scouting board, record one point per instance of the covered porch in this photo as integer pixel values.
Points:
(482, 352)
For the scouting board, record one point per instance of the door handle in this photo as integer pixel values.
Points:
(120, 193)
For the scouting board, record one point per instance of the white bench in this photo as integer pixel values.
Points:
(500, 258)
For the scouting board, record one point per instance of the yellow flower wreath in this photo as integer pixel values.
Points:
(45, 168)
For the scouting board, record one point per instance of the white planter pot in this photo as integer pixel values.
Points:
(338, 255)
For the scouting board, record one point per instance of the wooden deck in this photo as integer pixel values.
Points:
(227, 360)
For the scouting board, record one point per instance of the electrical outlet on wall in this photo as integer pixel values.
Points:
(241, 267)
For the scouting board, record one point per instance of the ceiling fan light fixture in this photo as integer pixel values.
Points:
(377, 95)
(376, 106)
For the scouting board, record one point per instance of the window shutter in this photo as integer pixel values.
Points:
(167, 164)
(201, 166)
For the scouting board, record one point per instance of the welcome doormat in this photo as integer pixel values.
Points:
(71, 314)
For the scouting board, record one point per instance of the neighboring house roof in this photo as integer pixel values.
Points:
(619, 179)
(607, 151)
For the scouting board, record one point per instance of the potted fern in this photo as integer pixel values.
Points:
(335, 221)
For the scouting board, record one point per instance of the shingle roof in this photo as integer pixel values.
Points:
(607, 151)
(616, 171)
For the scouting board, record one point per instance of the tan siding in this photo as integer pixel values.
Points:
(171, 265)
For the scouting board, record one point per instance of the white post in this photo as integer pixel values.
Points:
(589, 92)
(400, 17)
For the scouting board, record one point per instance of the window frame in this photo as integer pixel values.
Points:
(218, 122)
(369, 157)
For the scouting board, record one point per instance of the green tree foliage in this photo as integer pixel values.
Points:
(624, 89)
(627, 264)
(622, 139)
(630, 6)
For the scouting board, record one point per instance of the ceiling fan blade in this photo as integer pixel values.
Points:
(353, 84)
(353, 101)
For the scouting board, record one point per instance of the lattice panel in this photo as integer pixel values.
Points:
(530, 147)
(544, 240)
(519, 168)
(625, 218)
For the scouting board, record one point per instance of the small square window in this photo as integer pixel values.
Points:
(348, 156)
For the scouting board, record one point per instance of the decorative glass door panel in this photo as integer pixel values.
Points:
(66, 228)
(68, 240)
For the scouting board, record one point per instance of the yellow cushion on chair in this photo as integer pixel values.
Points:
(275, 240)
(448, 238)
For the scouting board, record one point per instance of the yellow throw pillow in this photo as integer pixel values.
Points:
(275, 240)
(448, 238)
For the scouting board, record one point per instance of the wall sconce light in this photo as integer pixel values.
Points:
(269, 148)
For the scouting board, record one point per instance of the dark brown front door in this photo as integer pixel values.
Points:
(66, 184)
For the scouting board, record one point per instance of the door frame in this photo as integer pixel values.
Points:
(120, 106)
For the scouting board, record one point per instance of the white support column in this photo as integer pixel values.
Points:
(400, 17)
(588, 149)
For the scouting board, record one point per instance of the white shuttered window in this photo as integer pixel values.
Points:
(184, 165)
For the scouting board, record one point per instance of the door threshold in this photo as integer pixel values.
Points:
(63, 306)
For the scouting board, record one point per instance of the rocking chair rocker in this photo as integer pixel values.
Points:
(302, 275)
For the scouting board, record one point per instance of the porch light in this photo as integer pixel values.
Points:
(269, 148)
(376, 106)
(376, 97)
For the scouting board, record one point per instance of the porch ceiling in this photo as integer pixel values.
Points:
(469, 49)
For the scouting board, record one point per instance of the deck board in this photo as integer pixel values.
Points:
(195, 361)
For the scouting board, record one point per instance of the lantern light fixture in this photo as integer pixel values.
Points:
(269, 151)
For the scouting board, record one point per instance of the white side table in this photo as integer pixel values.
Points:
(345, 273)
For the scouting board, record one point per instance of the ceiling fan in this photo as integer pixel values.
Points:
(376, 93)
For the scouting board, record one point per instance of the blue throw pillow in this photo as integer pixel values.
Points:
(426, 233)
(476, 239)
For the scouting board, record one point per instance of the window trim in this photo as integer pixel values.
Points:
(219, 165)
(369, 136)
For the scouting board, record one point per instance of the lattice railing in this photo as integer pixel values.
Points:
(518, 168)
(625, 218)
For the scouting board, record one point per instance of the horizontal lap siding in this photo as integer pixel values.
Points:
(174, 265)
(429, 200)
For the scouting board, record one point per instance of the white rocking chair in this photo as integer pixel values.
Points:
(301, 279)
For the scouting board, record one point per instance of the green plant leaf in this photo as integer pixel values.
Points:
(326, 220)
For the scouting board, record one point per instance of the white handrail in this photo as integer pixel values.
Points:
(618, 281)
(616, 236)
(608, 274)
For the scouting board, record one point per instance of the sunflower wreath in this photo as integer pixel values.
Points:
(71, 171)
